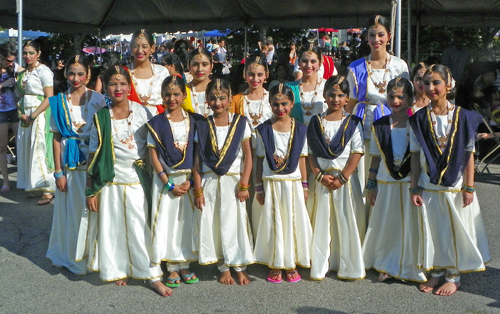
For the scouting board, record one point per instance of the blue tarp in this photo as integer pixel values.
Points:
(216, 33)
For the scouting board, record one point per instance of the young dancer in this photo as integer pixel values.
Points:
(117, 145)
(221, 186)
(442, 185)
(284, 233)
(171, 142)
(420, 100)
(392, 238)
(71, 122)
(335, 140)
(200, 66)
(254, 102)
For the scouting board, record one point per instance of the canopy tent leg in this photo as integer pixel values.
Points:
(19, 31)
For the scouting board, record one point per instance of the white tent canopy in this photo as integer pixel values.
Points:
(122, 16)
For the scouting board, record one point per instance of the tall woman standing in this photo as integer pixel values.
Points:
(35, 162)
(146, 76)
(368, 78)
(8, 109)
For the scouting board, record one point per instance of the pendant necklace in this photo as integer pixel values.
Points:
(307, 108)
(196, 105)
(144, 98)
(398, 159)
(28, 74)
(254, 116)
(179, 146)
(280, 160)
(380, 85)
(323, 123)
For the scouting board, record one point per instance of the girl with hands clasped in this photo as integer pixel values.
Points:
(71, 122)
(284, 233)
(392, 238)
(171, 142)
(335, 140)
(115, 192)
(223, 162)
(442, 186)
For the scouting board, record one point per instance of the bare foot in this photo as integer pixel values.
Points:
(448, 288)
(163, 290)
(121, 282)
(243, 278)
(429, 285)
(226, 278)
(383, 277)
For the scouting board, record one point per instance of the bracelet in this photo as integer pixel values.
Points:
(161, 173)
(58, 175)
(469, 188)
(169, 186)
(243, 187)
(305, 184)
(371, 185)
(305, 189)
(259, 188)
(198, 193)
(374, 170)
(191, 182)
(31, 117)
(258, 184)
(343, 180)
(414, 191)
(319, 177)
(259, 192)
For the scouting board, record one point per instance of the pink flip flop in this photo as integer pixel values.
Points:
(270, 279)
(289, 278)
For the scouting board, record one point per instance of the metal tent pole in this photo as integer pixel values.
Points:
(245, 51)
(19, 31)
(398, 29)
(408, 32)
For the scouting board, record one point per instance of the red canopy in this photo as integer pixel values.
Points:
(330, 30)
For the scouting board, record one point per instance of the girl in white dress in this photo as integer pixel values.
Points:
(173, 219)
(368, 78)
(200, 66)
(284, 234)
(308, 91)
(453, 238)
(146, 76)
(335, 140)
(71, 122)
(392, 238)
(35, 162)
(121, 246)
(223, 162)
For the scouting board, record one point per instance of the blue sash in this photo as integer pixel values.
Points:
(160, 130)
(446, 167)
(73, 156)
(220, 161)
(333, 149)
(382, 130)
(379, 112)
(297, 112)
(358, 68)
(297, 140)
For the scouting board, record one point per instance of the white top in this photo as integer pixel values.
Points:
(180, 135)
(221, 133)
(36, 81)
(319, 102)
(126, 152)
(396, 67)
(281, 140)
(355, 145)
(144, 88)
(400, 139)
(199, 98)
(81, 113)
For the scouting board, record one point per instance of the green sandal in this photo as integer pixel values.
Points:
(171, 282)
(190, 281)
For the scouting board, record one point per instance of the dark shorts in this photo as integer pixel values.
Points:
(9, 116)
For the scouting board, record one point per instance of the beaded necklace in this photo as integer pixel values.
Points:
(307, 108)
(443, 140)
(78, 124)
(323, 121)
(280, 160)
(28, 74)
(129, 140)
(205, 104)
(144, 98)
(399, 158)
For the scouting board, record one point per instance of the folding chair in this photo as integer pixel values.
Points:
(494, 152)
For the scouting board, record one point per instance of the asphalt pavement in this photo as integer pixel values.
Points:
(29, 284)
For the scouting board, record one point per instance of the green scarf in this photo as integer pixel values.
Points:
(102, 168)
